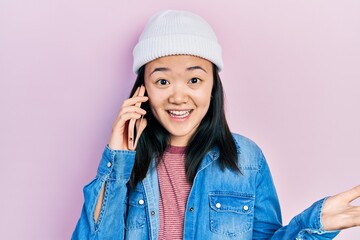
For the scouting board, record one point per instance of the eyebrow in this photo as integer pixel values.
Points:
(195, 68)
(160, 69)
(164, 69)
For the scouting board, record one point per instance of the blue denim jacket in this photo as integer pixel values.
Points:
(222, 204)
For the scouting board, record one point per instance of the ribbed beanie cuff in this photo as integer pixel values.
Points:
(175, 33)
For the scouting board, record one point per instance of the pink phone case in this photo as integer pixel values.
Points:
(133, 136)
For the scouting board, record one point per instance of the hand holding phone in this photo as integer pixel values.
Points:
(135, 127)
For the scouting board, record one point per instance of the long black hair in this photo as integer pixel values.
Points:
(212, 131)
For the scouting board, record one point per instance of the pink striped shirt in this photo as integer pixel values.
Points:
(174, 191)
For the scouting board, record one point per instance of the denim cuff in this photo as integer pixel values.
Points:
(310, 221)
(116, 164)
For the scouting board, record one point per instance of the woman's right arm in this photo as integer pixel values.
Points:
(108, 191)
(104, 209)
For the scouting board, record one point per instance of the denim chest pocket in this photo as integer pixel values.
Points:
(231, 214)
(136, 212)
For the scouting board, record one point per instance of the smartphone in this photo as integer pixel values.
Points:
(133, 135)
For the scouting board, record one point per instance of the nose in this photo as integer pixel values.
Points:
(178, 95)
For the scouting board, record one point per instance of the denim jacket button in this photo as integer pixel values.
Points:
(109, 164)
(141, 202)
(191, 209)
(152, 213)
(246, 207)
(218, 205)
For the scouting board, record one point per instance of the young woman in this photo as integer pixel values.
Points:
(189, 177)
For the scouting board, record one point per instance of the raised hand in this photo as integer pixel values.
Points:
(129, 110)
(338, 213)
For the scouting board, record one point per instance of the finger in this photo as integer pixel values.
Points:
(120, 122)
(136, 93)
(134, 100)
(128, 116)
(140, 94)
(131, 109)
(354, 193)
(351, 194)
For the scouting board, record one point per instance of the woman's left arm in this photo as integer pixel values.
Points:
(338, 213)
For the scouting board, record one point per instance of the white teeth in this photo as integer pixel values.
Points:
(179, 113)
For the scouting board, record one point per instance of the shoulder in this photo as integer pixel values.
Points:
(250, 155)
(245, 145)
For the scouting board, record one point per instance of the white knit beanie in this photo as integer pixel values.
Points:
(174, 32)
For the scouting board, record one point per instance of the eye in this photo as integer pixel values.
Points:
(194, 80)
(162, 82)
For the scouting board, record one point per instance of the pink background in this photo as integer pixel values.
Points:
(292, 82)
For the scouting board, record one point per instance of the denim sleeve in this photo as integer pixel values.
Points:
(267, 220)
(114, 173)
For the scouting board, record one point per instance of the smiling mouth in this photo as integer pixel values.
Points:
(179, 114)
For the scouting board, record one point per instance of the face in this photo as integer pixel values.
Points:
(179, 90)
